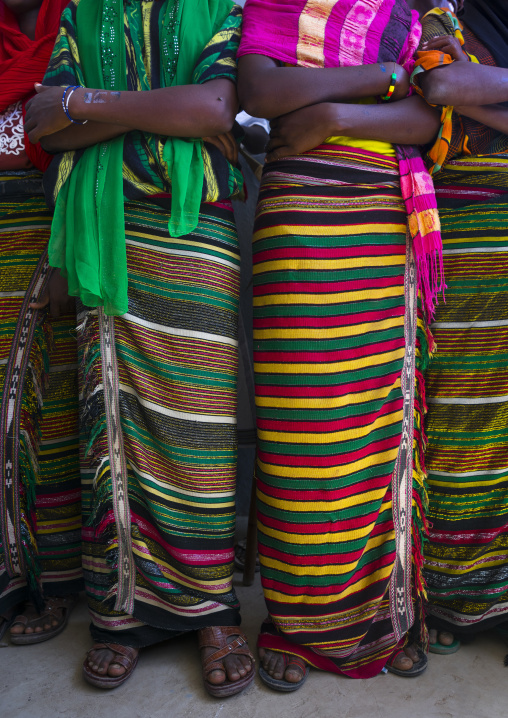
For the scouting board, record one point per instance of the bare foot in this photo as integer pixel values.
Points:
(279, 666)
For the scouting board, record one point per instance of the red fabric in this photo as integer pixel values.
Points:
(23, 62)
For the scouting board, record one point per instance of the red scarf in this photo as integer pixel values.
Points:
(23, 62)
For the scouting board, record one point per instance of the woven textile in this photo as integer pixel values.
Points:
(40, 538)
(331, 318)
(467, 424)
(159, 433)
(467, 460)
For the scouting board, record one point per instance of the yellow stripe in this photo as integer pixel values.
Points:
(316, 507)
(327, 231)
(334, 367)
(332, 436)
(328, 570)
(311, 32)
(152, 491)
(334, 264)
(329, 402)
(464, 567)
(382, 575)
(329, 298)
(472, 240)
(350, 330)
(170, 572)
(328, 472)
(170, 240)
(453, 484)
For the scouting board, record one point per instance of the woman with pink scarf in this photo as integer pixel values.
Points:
(347, 268)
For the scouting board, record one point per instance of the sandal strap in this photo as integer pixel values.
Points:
(126, 654)
(23, 620)
(215, 637)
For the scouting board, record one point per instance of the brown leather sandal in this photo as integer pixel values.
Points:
(216, 637)
(125, 656)
(51, 610)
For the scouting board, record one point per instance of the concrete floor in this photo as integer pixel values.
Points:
(44, 681)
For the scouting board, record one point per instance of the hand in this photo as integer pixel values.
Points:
(447, 44)
(44, 113)
(299, 131)
(56, 296)
(226, 143)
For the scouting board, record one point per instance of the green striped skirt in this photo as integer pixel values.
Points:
(159, 433)
(466, 564)
(40, 511)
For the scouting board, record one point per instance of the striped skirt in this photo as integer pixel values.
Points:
(338, 393)
(40, 510)
(158, 421)
(466, 559)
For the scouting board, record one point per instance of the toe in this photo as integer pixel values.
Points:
(293, 674)
(403, 662)
(446, 638)
(412, 653)
(115, 670)
(232, 670)
(216, 677)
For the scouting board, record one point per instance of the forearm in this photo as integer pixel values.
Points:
(407, 122)
(181, 111)
(267, 90)
(76, 137)
(465, 83)
(494, 116)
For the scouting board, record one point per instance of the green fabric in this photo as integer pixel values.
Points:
(88, 234)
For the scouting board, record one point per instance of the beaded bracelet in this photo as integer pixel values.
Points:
(391, 89)
(67, 93)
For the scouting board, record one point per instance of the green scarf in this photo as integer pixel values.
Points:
(88, 231)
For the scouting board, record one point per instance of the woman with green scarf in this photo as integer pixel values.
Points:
(143, 231)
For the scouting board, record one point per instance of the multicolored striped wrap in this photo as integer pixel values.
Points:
(340, 346)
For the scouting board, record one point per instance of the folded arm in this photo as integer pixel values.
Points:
(182, 111)
(495, 116)
(465, 83)
(410, 121)
(268, 90)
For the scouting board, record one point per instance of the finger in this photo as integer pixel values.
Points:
(41, 302)
(34, 135)
(232, 148)
(29, 124)
(433, 42)
(273, 143)
(436, 42)
(278, 153)
(40, 88)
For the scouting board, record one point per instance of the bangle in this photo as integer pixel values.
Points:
(67, 94)
(391, 89)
